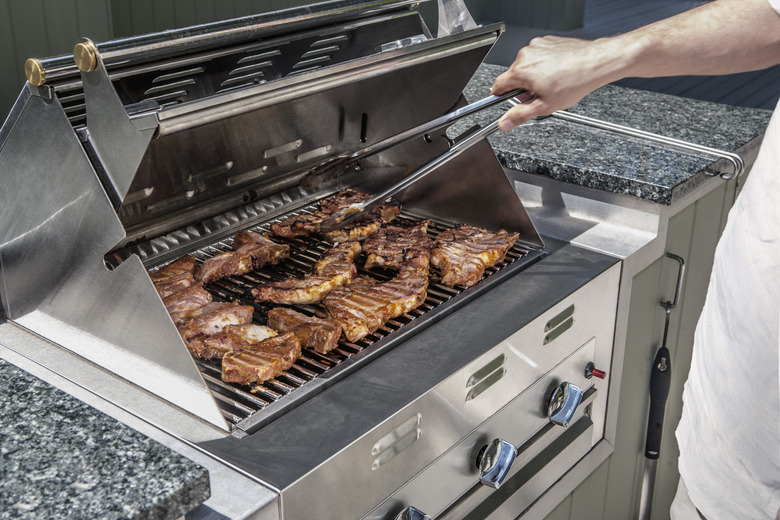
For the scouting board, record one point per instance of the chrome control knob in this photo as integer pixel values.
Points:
(564, 401)
(494, 461)
(410, 513)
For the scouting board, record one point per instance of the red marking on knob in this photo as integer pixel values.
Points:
(599, 373)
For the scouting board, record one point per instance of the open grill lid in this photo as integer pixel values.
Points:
(160, 132)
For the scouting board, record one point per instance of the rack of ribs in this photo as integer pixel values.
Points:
(364, 305)
(336, 267)
(261, 361)
(386, 247)
(251, 251)
(463, 253)
(319, 334)
(308, 223)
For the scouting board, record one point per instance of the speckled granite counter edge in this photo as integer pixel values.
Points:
(593, 158)
(60, 458)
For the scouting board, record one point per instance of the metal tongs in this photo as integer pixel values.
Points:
(341, 163)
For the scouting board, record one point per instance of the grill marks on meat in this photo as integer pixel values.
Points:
(211, 319)
(315, 333)
(463, 253)
(251, 251)
(308, 224)
(364, 305)
(336, 267)
(177, 286)
(174, 277)
(229, 339)
(191, 298)
(183, 265)
(261, 361)
(387, 247)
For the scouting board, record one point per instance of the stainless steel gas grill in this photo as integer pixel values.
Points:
(151, 148)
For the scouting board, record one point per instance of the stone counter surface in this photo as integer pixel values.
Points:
(60, 458)
(582, 155)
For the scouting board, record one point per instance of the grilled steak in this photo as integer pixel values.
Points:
(211, 318)
(250, 251)
(363, 306)
(386, 247)
(316, 333)
(229, 339)
(261, 361)
(191, 298)
(336, 267)
(308, 224)
(463, 253)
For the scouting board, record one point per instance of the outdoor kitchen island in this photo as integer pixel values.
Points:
(660, 203)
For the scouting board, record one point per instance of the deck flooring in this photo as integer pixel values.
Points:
(758, 89)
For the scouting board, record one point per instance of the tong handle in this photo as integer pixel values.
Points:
(440, 122)
(341, 163)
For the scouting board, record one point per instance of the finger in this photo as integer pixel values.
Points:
(519, 114)
(507, 81)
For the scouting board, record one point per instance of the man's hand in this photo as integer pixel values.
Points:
(557, 71)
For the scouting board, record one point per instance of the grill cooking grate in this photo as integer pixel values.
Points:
(238, 402)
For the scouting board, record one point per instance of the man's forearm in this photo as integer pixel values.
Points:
(720, 37)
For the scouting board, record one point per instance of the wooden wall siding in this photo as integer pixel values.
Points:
(43, 28)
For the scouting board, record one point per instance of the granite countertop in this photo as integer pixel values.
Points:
(60, 458)
(582, 155)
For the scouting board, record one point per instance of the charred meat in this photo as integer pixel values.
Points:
(229, 339)
(363, 306)
(462, 254)
(261, 361)
(250, 251)
(336, 267)
(319, 334)
(386, 248)
(308, 224)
